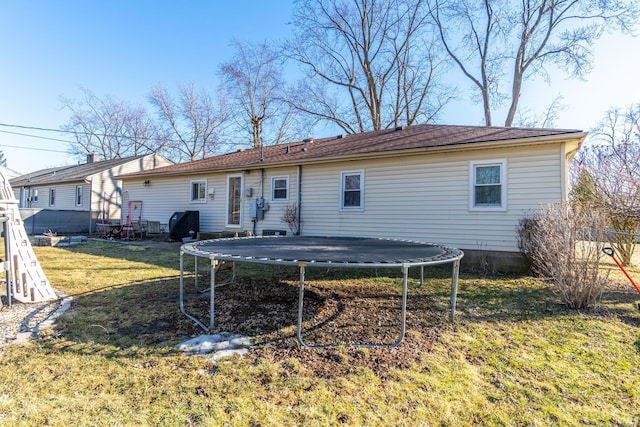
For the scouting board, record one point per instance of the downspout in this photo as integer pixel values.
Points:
(567, 154)
(255, 220)
(299, 207)
(90, 182)
(90, 208)
(262, 183)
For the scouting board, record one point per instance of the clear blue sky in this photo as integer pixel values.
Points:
(123, 48)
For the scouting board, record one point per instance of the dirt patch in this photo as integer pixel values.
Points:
(334, 312)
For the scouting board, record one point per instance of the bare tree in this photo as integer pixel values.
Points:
(193, 121)
(606, 174)
(143, 132)
(499, 44)
(369, 64)
(525, 117)
(255, 88)
(108, 127)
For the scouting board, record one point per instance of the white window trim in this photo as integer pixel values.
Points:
(352, 208)
(79, 192)
(198, 181)
(52, 191)
(273, 188)
(226, 201)
(503, 183)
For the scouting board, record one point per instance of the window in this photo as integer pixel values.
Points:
(280, 188)
(79, 195)
(34, 196)
(199, 191)
(352, 190)
(488, 185)
(52, 197)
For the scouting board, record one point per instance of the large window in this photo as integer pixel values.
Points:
(52, 197)
(79, 195)
(280, 188)
(488, 185)
(352, 190)
(199, 191)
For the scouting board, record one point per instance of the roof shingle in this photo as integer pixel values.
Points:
(361, 145)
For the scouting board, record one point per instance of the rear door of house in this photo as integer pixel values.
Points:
(234, 201)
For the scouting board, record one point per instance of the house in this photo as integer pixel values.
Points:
(72, 199)
(463, 186)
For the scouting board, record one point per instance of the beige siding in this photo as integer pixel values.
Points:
(164, 196)
(427, 197)
(43, 196)
(420, 196)
(107, 194)
(65, 197)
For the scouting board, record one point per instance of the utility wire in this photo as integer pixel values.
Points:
(41, 129)
(73, 132)
(35, 136)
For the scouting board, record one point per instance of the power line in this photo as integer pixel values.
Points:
(43, 129)
(75, 132)
(35, 128)
(35, 136)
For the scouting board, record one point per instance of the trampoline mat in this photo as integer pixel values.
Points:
(326, 250)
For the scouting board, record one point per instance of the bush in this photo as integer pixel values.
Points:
(564, 242)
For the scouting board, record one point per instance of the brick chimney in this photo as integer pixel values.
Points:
(93, 157)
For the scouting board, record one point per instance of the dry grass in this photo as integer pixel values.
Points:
(514, 357)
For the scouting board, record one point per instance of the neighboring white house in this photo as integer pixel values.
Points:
(70, 199)
(463, 186)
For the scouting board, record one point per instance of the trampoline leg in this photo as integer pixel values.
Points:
(196, 272)
(212, 296)
(300, 307)
(454, 288)
(403, 315)
(181, 298)
(183, 309)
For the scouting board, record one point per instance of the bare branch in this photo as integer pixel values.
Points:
(366, 68)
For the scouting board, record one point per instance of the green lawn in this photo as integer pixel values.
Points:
(515, 356)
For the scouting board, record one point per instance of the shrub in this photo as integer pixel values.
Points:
(564, 242)
(290, 217)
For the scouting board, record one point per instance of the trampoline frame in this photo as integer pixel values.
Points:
(453, 256)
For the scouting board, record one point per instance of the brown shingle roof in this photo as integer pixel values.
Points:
(419, 137)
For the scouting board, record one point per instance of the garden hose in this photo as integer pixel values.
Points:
(609, 251)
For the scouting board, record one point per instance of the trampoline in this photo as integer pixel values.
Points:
(334, 252)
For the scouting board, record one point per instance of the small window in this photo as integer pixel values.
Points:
(34, 196)
(488, 185)
(352, 191)
(280, 188)
(79, 195)
(52, 197)
(198, 191)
